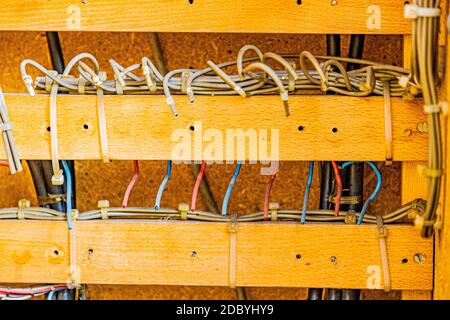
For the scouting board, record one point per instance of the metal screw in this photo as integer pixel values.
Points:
(333, 260)
(333, 2)
(193, 254)
(407, 132)
(422, 127)
(419, 258)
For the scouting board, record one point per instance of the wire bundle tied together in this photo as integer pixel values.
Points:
(424, 72)
(254, 76)
(321, 215)
(6, 128)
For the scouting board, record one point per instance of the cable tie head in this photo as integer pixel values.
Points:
(7, 126)
(183, 208)
(58, 179)
(413, 11)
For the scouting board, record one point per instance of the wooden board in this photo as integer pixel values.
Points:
(195, 253)
(143, 127)
(267, 16)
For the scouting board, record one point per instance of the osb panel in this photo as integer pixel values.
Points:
(96, 180)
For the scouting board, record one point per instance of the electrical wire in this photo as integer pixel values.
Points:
(328, 74)
(6, 127)
(198, 181)
(131, 184)
(163, 185)
(374, 193)
(308, 187)
(424, 74)
(339, 188)
(321, 215)
(226, 199)
(268, 189)
(69, 193)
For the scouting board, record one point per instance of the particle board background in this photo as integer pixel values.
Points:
(96, 180)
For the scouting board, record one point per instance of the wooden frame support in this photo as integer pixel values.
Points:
(251, 16)
(144, 128)
(197, 253)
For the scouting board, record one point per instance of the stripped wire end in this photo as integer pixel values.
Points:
(171, 103)
(284, 98)
(190, 94)
(29, 84)
(240, 91)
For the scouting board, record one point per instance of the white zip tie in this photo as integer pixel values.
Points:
(413, 11)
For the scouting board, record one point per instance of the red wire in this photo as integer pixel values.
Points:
(339, 190)
(268, 189)
(131, 184)
(197, 185)
(20, 291)
(4, 164)
(267, 197)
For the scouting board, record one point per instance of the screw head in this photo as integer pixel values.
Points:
(422, 127)
(419, 258)
(407, 132)
(333, 2)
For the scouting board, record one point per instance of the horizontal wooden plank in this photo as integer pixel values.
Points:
(144, 128)
(196, 253)
(266, 16)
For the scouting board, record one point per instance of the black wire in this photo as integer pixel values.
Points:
(356, 50)
(326, 183)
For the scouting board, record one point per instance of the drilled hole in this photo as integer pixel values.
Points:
(299, 2)
(192, 128)
(301, 128)
(334, 130)
(298, 256)
(90, 251)
(85, 126)
(404, 260)
(56, 252)
(193, 254)
(49, 129)
(191, 1)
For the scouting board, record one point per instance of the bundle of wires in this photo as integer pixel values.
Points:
(253, 77)
(321, 215)
(6, 127)
(424, 72)
(9, 293)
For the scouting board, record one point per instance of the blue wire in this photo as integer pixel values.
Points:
(163, 185)
(69, 193)
(226, 199)
(374, 193)
(308, 187)
(52, 293)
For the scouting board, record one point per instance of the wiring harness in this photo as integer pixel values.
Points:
(424, 73)
(409, 210)
(254, 76)
(6, 128)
